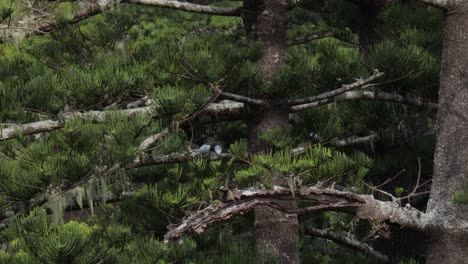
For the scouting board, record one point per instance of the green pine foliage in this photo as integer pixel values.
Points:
(176, 58)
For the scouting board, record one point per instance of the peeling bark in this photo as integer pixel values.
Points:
(279, 198)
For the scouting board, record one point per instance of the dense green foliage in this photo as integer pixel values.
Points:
(173, 57)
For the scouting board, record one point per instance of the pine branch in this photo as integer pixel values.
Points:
(339, 143)
(152, 139)
(310, 38)
(213, 109)
(50, 125)
(145, 160)
(328, 199)
(29, 129)
(343, 238)
(345, 88)
(340, 200)
(142, 160)
(217, 90)
(189, 7)
(243, 99)
(94, 8)
(351, 141)
(224, 108)
(368, 95)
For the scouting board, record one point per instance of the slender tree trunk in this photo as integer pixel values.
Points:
(265, 22)
(449, 243)
(369, 10)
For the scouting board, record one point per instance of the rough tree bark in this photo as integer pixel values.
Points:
(265, 22)
(449, 241)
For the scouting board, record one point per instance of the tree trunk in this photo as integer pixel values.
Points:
(265, 22)
(276, 233)
(369, 12)
(449, 243)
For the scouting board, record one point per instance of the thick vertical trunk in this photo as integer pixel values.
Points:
(265, 22)
(276, 233)
(449, 243)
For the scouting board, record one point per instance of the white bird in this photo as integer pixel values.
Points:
(218, 149)
(205, 148)
(314, 136)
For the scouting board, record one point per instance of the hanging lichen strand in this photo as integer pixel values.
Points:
(89, 193)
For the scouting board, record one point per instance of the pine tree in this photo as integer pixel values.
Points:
(305, 99)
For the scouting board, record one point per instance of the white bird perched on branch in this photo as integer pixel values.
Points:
(314, 136)
(205, 148)
(218, 149)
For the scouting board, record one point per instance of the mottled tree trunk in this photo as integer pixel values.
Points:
(449, 243)
(276, 233)
(265, 22)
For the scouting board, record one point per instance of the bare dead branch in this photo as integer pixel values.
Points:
(352, 141)
(368, 95)
(152, 139)
(224, 108)
(145, 160)
(189, 7)
(418, 186)
(243, 99)
(375, 189)
(214, 109)
(29, 129)
(346, 240)
(345, 142)
(91, 9)
(310, 38)
(331, 94)
(364, 206)
(391, 179)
